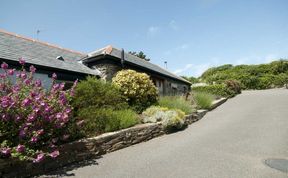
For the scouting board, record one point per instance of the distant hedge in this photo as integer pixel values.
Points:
(220, 90)
(262, 76)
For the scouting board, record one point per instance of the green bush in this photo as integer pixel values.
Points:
(203, 100)
(260, 76)
(127, 118)
(172, 120)
(176, 102)
(234, 86)
(98, 94)
(137, 87)
(219, 90)
(97, 121)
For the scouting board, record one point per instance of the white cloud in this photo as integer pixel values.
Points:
(183, 46)
(185, 68)
(153, 30)
(197, 70)
(270, 57)
(173, 25)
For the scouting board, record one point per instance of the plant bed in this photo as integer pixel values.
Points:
(93, 147)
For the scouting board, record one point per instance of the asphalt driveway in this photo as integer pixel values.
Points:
(233, 141)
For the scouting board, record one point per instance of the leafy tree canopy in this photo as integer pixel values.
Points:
(140, 55)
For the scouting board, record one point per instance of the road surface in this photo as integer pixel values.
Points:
(233, 141)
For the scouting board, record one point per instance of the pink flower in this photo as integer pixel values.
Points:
(38, 83)
(3, 75)
(10, 71)
(4, 66)
(54, 154)
(5, 101)
(6, 151)
(40, 157)
(27, 81)
(32, 69)
(54, 76)
(23, 75)
(40, 132)
(20, 148)
(34, 139)
(31, 117)
(21, 61)
(26, 102)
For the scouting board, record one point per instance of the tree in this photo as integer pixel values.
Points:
(191, 79)
(140, 55)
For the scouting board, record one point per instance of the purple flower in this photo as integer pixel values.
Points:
(54, 154)
(34, 139)
(40, 157)
(38, 83)
(31, 117)
(3, 75)
(37, 110)
(55, 87)
(4, 117)
(21, 61)
(6, 151)
(54, 140)
(16, 88)
(62, 85)
(20, 148)
(18, 118)
(27, 81)
(23, 75)
(59, 115)
(32, 69)
(4, 66)
(22, 132)
(54, 76)
(68, 110)
(62, 98)
(47, 109)
(10, 71)
(40, 132)
(5, 101)
(26, 102)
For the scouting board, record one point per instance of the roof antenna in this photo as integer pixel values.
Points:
(165, 63)
(38, 31)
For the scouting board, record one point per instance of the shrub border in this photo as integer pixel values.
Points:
(93, 147)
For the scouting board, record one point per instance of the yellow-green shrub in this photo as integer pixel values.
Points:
(172, 119)
(137, 87)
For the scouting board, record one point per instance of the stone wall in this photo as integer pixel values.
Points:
(108, 71)
(89, 148)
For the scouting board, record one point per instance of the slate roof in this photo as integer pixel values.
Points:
(110, 50)
(13, 46)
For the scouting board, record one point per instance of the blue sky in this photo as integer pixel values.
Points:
(191, 35)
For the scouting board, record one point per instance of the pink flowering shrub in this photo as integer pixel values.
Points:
(33, 121)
